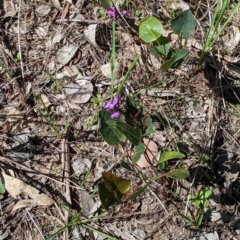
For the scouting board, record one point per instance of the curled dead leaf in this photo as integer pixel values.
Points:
(66, 53)
(23, 203)
(79, 92)
(16, 186)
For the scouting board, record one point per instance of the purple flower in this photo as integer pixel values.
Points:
(110, 105)
(124, 12)
(116, 100)
(115, 115)
(113, 107)
(112, 12)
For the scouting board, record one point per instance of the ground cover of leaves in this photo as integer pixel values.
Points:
(55, 56)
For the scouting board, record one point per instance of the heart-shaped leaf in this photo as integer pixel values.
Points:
(109, 133)
(160, 47)
(184, 24)
(114, 183)
(132, 134)
(148, 125)
(150, 29)
(107, 198)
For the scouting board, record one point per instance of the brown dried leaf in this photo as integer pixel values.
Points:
(150, 155)
(66, 53)
(80, 92)
(231, 40)
(90, 33)
(9, 8)
(43, 10)
(16, 186)
(88, 204)
(23, 203)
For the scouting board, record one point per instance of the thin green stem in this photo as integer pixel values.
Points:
(113, 55)
(127, 74)
(48, 118)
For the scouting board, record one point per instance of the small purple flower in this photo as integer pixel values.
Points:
(111, 12)
(124, 12)
(116, 100)
(110, 105)
(115, 115)
(114, 107)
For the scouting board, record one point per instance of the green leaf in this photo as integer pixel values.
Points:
(181, 55)
(132, 134)
(150, 29)
(205, 194)
(185, 217)
(168, 64)
(166, 156)
(160, 47)
(105, 3)
(179, 174)
(139, 150)
(126, 166)
(107, 198)
(184, 24)
(2, 188)
(132, 110)
(150, 127)
(116, 184)
(163, 165)
(109, 133)
(197, 202)
(192, 197)
(199, 221)
(52, 236)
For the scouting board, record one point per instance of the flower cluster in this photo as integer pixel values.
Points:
(113, 107)
(112, 12)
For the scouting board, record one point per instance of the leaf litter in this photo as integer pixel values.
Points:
(54, 43)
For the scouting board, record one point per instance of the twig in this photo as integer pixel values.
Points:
(39, 230)
(84, 21)
(155, 195)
